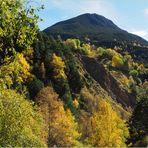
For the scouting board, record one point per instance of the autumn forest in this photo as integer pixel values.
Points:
(58, 89)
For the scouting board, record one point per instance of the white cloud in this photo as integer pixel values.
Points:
(77, 7)
(146, 11)
(99, 7)
(141, 33)
(58, 10)
(58, 3)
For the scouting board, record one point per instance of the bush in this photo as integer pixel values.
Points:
(117, 61)
(73, 43)
(134, 73)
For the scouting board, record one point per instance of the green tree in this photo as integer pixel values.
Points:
(74, 78)
(138, 122)
(34, 87)
(134, 73)
(138, 126)
(18, 26)
(21, 125)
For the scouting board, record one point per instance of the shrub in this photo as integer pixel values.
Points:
(73, 43)
(133, 73)
(117, 61)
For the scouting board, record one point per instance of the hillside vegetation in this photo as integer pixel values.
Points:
(100, 31)
(66, 93)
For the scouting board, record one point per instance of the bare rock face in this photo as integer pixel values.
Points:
(108, 82)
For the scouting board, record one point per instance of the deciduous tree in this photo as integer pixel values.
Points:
(60, 122)
(58, 66)
(18, 26)
(21, 125)
(107, 128)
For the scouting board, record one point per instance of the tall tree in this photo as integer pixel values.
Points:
(58, 66)
(21, 125)
(18, 26)
(107, 129)
(60, 122)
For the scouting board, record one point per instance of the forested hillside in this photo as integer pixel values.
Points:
(66, 93)
(100, 31)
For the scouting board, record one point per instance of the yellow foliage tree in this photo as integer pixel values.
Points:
(73, 43)
(61, 124)
(117, 61)
(58, 66)
(18, 70)
(28, 54)
(76, 103)
(107, 128)
(111, 52)
(21, 124)
(62, 128)
(23, 67)
(88, 49)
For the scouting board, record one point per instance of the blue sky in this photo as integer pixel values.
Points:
(130, 15)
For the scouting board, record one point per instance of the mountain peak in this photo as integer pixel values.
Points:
(89, 19)
(96, 19)
(92, 15)
(98, 28)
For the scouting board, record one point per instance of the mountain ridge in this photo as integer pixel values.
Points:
(96, 27)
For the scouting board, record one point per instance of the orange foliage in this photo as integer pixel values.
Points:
(60, 123)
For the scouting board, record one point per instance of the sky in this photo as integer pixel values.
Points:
(130, 15)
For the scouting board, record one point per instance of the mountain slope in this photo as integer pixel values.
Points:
(108, 82)
(96, 27)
